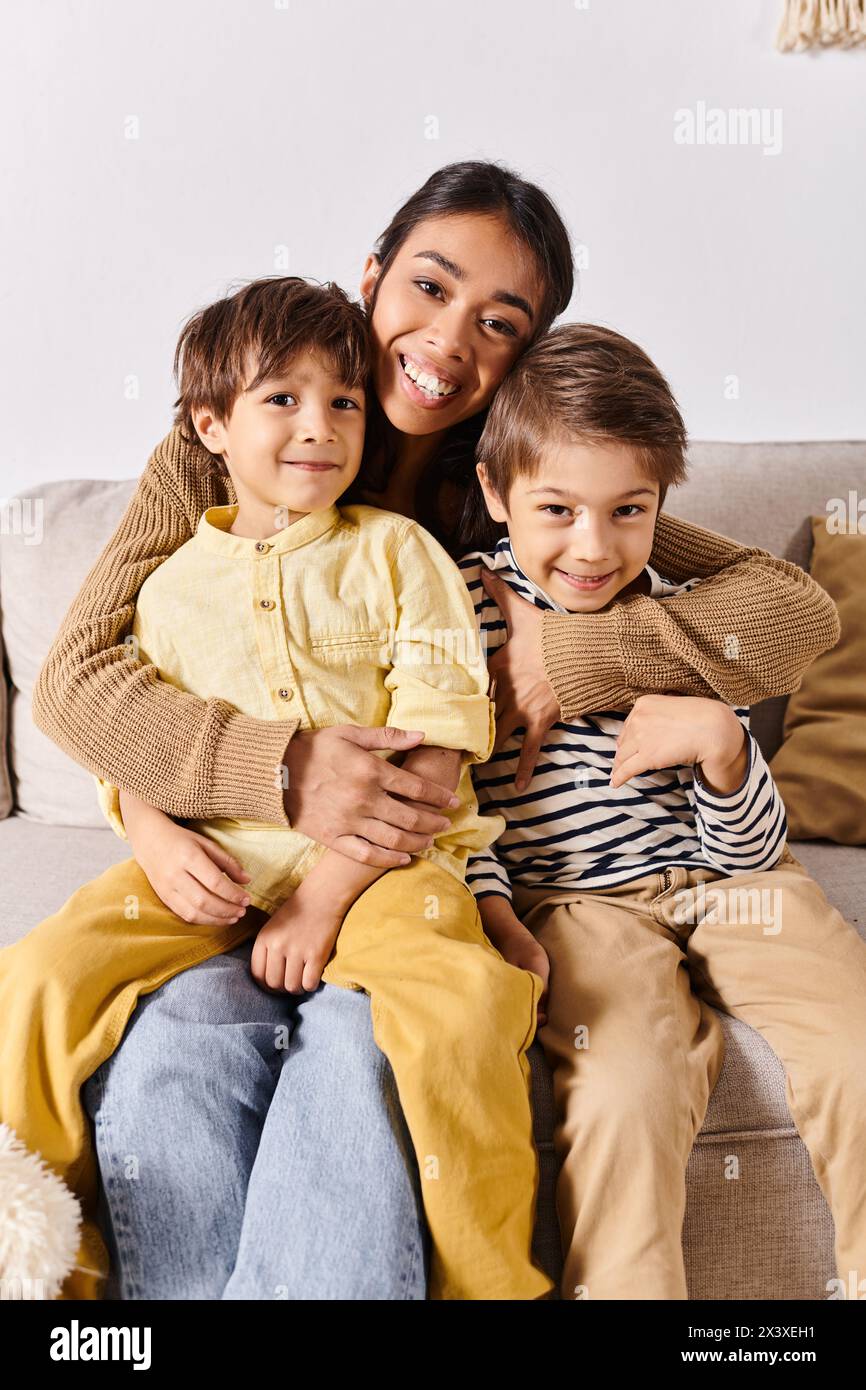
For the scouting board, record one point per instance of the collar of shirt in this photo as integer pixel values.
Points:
(213, 533)
(504, 560)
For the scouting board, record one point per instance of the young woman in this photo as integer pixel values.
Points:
(471, 270)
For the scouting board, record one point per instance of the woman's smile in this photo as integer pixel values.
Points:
(427, 387)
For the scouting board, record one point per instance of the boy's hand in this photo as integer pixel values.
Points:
(515, 943)
(520, 948)
(295, 944)
(524, 695)
(681, 730)
(195, 878)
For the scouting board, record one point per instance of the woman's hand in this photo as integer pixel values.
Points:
(295, 944)
(524, 695)
(195, 878)
(340, 794)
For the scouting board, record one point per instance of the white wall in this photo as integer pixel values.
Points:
(261, 125)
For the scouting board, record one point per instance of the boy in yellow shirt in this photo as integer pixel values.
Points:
(292, 607)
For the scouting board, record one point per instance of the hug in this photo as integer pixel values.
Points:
(376, 851)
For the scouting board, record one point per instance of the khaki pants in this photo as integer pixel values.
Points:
(454, 1019)
(636, 1050)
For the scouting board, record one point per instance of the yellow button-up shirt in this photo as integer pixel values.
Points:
(351, 615)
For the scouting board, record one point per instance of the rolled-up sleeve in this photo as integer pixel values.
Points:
(438, 680)
(108, 797)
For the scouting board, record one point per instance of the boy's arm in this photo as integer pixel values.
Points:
(438, 682)
(197, 879)
(489, 881)
(749, 631)
(499, 920)
(739, 813)
(128, 816)
(487, 877)
(135, 817)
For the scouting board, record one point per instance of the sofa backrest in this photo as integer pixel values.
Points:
(759, 494)
(762, 494)
(46, 551)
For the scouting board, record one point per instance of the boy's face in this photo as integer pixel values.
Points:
(589, 512)
(294, 444)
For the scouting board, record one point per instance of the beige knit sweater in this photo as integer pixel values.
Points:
(748, 633)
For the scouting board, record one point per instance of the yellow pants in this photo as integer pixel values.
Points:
(454, 1019)
(636, 1049)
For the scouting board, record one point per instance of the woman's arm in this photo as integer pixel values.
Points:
(336, 882)
(749, 631)
(192, 758)
(197, 759)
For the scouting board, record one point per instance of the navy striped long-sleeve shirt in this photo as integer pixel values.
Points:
(569, 828)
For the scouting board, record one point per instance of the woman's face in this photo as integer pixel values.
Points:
(456, 307)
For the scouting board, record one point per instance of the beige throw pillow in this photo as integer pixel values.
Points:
(820, 769)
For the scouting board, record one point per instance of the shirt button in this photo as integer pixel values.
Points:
(266, 603)
(285, 693)
(262, 546)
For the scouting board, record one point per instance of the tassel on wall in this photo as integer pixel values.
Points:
(820, 23)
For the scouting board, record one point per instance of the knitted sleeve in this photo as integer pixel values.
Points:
(192, 758)
(749, 631)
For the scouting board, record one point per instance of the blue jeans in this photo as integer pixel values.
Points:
(252, 1146)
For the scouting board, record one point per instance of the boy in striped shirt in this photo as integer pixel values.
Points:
(643, 872)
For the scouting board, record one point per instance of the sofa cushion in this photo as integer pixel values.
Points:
(66, 858)
(38, 582)
(841, 872)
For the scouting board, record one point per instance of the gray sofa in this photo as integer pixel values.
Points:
(767, 1235)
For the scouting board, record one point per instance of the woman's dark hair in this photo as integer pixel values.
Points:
(472, 186)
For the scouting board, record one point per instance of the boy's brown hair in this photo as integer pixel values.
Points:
(268, 322)
(579, 382)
